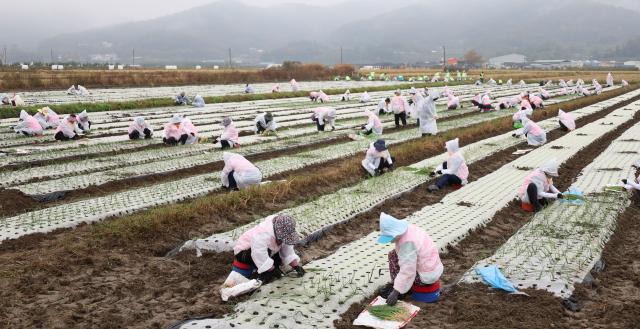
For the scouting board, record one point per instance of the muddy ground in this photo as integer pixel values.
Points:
(615, 304)
(68, 280)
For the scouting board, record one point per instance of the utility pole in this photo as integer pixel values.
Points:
(133, 57)
(340, 55)
(4, 61)
(444, 59)
(51, 55)
(230, 66)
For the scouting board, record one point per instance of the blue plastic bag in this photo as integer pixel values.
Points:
(574, 191)
(492, 276)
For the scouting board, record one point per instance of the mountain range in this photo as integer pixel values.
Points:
(374, 31)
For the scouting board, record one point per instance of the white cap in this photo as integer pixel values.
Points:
(550, 167)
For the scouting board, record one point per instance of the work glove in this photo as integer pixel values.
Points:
(363, 127)
(432, 174)
(267, 276)
(514, 135)
(301, 272)
(439, 172)
(393, 297)
(624, 181)
(560, 196)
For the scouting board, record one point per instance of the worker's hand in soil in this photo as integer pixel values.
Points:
(267, 276)
(393, 298)
(432, 174)
(301, 272)
(560, 196)
(624, 181)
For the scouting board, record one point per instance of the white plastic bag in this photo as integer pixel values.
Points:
(366, 319)
(236, 285)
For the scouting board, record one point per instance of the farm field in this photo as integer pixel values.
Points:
(106, 232)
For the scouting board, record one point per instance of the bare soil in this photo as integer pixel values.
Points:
(69, 279)
(476, 306)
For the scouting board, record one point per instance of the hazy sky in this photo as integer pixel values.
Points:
(25, 22)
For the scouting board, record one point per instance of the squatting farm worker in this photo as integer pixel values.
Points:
(567, 121)
(454, 171)
(536, 136)
(365, 97)
(544, 94)
(248, 89)
(323, 115)
(198, 101)
(609, 80)
(485, 103)
(517, 117)
(68, 128)
(377, 159)
(453, 102)
(427, 114)
(238, 172)
(383, 106)
(414, 263)
(28, 125)
(174, 133)
(191, 130)
(265, 250)
(83, 121)
(139, 129)
(181, 99)
(47, 118)
(265, 123)
(229, 137)
(346, 96)
(538, 188)
(399, 107)
(536, 102)
(374, 125)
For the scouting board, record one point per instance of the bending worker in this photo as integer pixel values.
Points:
(567, 121)
(28, 125)
(265, 250)
(174, 133)
(454, 171)
(537, 188)
(68, 128)
(536, 136)
(374, 125)
(377, 160)
(230, 136)
(265, 123)
(414, 262)
(427, 114)
(139, 128)
(181, 99)
(238, 173)
(83, 121)
(323, 115)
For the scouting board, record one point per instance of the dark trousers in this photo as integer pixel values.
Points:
(400, 116)
(368, 132)
(259, 128)
(61, 137)
(245, 258)
(448, 179)
(563, 127)
(475, 103)
(136, 134)
(225, 144)
(384, 164)
(232, 181)
(320, 127)
(532, 193)
(485, 106)
(381, 112)
(173, 142)
(453, 107)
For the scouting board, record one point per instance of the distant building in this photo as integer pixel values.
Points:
(511, 60)
(632, 63)
(555, 64)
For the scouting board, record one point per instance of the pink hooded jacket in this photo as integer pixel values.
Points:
(536, 100)
(545, 189)
(418, 255)
(30, 122)
(567, 119)
(171, 130)
(230, 133)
